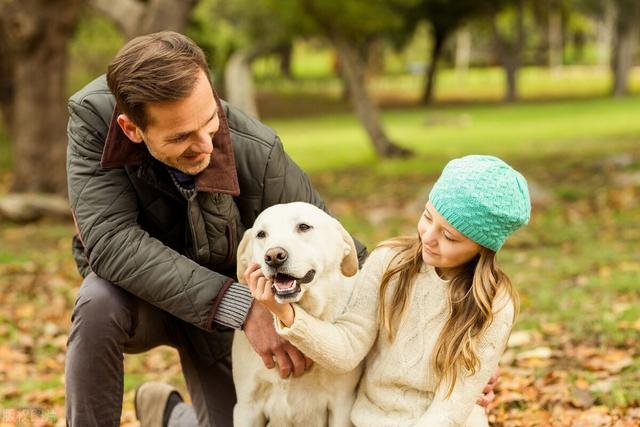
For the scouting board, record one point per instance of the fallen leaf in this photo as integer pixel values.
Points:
(536, 353)
(613, 361)
(582, 398)
(520, 338)
(602, 386)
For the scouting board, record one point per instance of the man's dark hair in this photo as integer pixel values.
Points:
(158, 67)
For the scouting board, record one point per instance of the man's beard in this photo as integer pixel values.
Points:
(189, 169)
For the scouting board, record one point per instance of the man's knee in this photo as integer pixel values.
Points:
(102, 308)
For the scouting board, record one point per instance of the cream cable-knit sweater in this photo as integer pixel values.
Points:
(398, 386)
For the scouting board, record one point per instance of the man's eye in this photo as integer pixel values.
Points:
(304, 227)
(261, 234)
(178, 139)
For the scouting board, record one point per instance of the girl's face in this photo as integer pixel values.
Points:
(442, 245)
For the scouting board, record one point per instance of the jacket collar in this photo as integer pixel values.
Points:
(219, 177)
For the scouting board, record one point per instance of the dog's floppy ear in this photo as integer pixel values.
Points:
(349, 265)
(244, 255)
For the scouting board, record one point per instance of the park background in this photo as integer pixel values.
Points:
(371, 98)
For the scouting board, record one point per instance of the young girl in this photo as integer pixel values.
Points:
(431, 313)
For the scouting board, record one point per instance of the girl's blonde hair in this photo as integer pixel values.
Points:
(472, 292)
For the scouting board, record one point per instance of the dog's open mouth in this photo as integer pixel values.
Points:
(287, 288)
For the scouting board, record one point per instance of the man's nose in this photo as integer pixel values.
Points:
(203, 144)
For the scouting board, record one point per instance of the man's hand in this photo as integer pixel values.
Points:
(259, 329)
(487, 392)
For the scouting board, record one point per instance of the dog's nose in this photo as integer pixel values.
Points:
(275, 257)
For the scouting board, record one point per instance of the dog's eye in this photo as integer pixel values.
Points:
(261, 234)
(304, 227)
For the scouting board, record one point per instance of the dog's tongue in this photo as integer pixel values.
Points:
(283, 282)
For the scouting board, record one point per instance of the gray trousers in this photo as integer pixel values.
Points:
(108, 322)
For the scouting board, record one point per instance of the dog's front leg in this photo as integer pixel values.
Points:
(340, 413)
(247, 415)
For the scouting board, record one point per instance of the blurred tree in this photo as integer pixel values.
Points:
(351, 27)
(604, 13)
(508, 29)
(624, 17)
(253, 28)
(235, 34)
(627, 32)
(555, 23)
(462, 56)
(34, 35)
(549, 37)
(445, 17)
(216, 35)
(136, 17)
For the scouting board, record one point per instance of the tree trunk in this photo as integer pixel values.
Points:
(7, 91)
(239, 89)
(624, 48)
(32, 207)
(285, 54)
(36, 37)
(138, 17)
(374, 57)
(353, 72)
(555, 40)
(430, 77)
(511, 73)
(463, 51)
(510, 52)
(605, 34)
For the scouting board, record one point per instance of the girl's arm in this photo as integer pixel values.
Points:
(338, 346)
(455, 409)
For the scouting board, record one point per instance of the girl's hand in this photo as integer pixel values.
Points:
(261, 290)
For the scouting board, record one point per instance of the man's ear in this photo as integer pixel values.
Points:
(129, 128)
(349, 265)
(244, 255)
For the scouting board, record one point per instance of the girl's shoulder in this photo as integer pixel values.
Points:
(503, 306)
(382, 255)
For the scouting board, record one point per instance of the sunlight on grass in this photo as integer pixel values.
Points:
(336, 141)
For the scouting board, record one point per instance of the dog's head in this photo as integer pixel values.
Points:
(295, 243)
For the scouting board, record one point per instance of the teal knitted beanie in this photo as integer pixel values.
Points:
(483, 198)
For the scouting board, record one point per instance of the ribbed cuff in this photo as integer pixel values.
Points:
(234, 306)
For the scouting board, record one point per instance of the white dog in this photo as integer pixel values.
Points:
(312, 260)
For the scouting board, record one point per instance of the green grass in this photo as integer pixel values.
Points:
(534, 130)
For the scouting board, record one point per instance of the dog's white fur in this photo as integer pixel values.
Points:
(318, 397)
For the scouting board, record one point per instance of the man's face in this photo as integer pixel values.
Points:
(180, 133)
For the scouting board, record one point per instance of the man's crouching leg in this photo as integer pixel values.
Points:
(102, 321)
(206, 364)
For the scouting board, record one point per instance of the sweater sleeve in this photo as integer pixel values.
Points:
(342, 345)
(455, 410)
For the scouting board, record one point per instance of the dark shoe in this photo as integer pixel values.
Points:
(154, 402)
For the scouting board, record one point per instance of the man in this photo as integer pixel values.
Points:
(163, 180)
